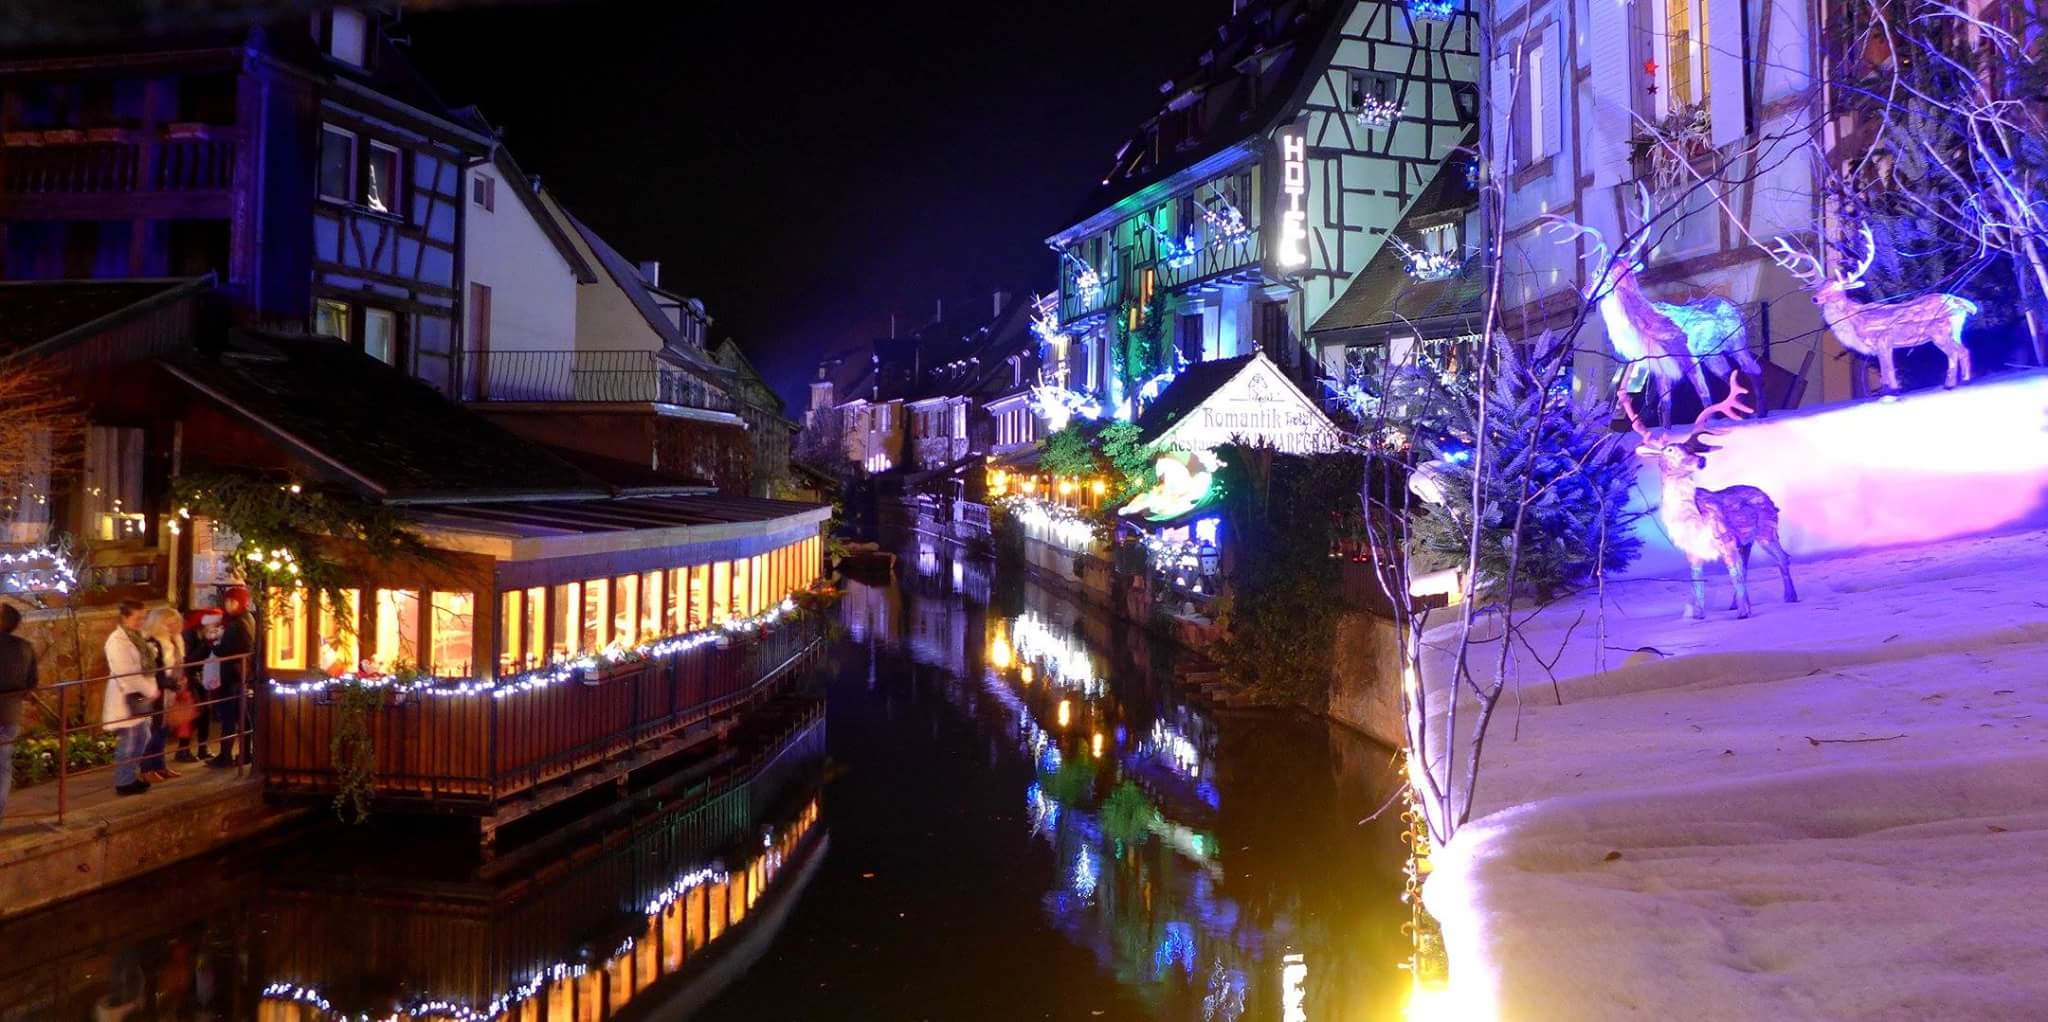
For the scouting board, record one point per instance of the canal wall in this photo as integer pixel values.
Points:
(1365, 689)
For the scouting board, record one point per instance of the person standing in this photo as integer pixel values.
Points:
(131, 692)
(17, 677)
(166, 645)
(202, 678)
(233, 649)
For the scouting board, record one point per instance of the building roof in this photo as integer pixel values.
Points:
(1384, 295)
(388, 434)
(1278, 41)
(731, 356)
(638, 291)
(45, 315)
(968, 354)
(528, 194)
(542, 518)
(1187, 392)
(1265, 408)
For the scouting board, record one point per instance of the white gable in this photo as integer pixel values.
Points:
(1258, 406)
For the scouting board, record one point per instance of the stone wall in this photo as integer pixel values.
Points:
(1365, 683)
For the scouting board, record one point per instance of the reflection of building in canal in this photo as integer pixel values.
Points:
(592, 932)
(870, 612)
(640, 910)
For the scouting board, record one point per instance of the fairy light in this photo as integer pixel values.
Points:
(1375, 112)
(55, 573)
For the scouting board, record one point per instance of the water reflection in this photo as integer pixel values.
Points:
(595, 923)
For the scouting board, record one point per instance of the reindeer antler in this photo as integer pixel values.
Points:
(1854, 278)
(1792, 258)
(1635, 421)
(1645, 212)
(1733, 408)
(1570, 230)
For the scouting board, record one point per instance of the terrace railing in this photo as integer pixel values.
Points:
(471, 751)
(88, 164)
(607, 376)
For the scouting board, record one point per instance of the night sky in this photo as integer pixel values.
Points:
(807, 169)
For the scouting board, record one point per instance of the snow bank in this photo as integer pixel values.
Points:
(1835, 810)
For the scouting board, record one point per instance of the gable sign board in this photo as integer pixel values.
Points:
(1258, 406)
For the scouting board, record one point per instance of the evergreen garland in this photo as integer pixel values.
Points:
(1551, 459)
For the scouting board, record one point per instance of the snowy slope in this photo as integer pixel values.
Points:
(1694, 835)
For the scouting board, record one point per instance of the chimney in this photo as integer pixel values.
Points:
(1002, 302)
(650, 271)
(939, 313)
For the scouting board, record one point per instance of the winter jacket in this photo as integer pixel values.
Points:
(17, 676)
(126, 673)
(235, 640)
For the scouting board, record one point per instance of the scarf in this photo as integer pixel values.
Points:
(141, 646)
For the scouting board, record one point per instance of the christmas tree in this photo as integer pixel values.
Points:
(1550, 462)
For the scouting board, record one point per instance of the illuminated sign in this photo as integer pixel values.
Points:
(1293, 247)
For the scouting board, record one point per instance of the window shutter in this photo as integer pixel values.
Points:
(1607, 36)
(1501, 108)
(1726, 70)
(1553, 80)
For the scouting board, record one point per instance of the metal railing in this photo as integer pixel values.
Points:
(474, 750)
(100, 167)
(75, 697)
(595, 376)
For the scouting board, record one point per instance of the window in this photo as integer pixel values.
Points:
(337, 164)
(626, 611)
(479, 316)
(700, 597)
(483, 191)
(535, 646)
(721, 591)
(652, 619)
(568, 633)
(758, 587)
(511, 615)
(1685, 66)
(113, 483)
(331, 318)
(451, 630)
(742, 591)
(340, 652)
(347, 35)
(380, 179)
(287, 631)
(597, 613)
(398, 629)
(1534, 122)
(25, 497)
(380, 335)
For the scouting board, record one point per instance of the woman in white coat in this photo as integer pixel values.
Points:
(131, 695)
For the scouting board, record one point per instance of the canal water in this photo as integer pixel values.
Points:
(984, 804)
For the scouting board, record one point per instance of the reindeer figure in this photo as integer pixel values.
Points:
(1672, 342)
(1877, 329)
(1712, 525)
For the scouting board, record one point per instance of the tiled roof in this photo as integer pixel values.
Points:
(1186, 393)
(1383, 294)
(39, 312)
(389, 434)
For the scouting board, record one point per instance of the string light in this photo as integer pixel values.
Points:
(1375, 112)
(1225, 222)
(1426, 265)
(56, 574)
(1432, 10)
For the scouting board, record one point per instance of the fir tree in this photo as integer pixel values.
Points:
(1551, 460)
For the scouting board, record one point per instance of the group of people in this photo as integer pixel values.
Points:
(175, 676)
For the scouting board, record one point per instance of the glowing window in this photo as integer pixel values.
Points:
(721, 591)
(536, 645)
(288, 630)
(597, 615)
(742, 575)
(398, 629)
(511, 617)
(451, 631)
(700, 596)
(676, 609)
(568, 628)
(651, 617)
(340, 646)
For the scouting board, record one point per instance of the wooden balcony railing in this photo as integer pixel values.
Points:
(468, 752)
(101, 167)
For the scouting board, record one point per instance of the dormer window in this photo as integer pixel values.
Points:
(347, 36)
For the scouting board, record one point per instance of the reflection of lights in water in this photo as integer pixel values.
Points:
(1294, 989)
(1175, 749)
(1224, 1000)
(1068, 664)
(1095, 745)
(1048, 753)
(1066, 712)
(1176, 947)
(1025, 674)
(1045, 813)
(1000, 656)
(1084, 873)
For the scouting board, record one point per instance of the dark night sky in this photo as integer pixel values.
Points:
(808, 168)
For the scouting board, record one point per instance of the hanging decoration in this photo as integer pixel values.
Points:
(1226, 224)
(1087, 281)
(1426, 265)
(38, 571)
(1376, 112)
(1174, 255)
(1187, 480)
(1432, 10)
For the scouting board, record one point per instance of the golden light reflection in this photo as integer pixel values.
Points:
(1095, 745)
(1066, 712)
(1000, 655)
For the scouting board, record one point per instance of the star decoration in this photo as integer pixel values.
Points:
(1650, 66)
(1653, 88)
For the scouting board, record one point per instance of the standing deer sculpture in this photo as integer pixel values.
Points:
(1670, 341)
(1877, 329)
(1711, 525)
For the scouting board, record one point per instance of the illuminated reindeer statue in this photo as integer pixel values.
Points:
(1672, 342)
(1711, 525)
(1877, 329)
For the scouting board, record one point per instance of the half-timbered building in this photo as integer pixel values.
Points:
(1245, 210)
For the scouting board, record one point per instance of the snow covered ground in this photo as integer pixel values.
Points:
(1837, 809)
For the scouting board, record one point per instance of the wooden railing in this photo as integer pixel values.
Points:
(468, 752)
(89, 167)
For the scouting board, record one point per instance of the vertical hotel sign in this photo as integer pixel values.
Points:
(1288, 201)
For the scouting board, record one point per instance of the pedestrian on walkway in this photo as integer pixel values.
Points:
(17, 677)
(130, 696)
(237, 641)
(202, 679)
(166, 644)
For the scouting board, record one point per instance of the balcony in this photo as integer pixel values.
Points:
(1077, 304)
(63, 173)
(600, 377)
(1215, 263)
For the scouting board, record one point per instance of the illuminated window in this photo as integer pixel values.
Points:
(331, 318)
(568, 629)
(380, 178)
(380, 335)
(536, 644)
(742, 575)
(676, 608)
(398, 629)
(451, 630)
(340, 647)
(597, 615)
(287, 638)
(721, 591)
(757, 586)
(651, 617)
(511, 616)
(700, 596)
(626, 610)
